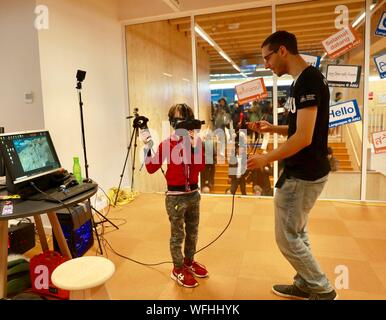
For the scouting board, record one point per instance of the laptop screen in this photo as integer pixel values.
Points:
(28, 155)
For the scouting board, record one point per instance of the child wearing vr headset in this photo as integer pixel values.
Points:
(185, 159)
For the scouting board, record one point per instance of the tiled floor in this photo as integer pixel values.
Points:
(245, 261)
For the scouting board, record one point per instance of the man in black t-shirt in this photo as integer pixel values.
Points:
(306, 165)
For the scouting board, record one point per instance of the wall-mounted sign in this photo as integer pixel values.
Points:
(343, 113)
(251, 90)
(381, 27)
(380, 62)
(379, 141)
(341, 42)
(311, 60)
(343, 76)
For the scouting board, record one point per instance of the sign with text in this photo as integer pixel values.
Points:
(343, 113)
(380, 62)
(381, 27)
(379, 141)
(251, 90)
(341, 42)
(343, 76)
(311, 60)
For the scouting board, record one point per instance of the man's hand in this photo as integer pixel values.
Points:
(257, 161)
(260, 126)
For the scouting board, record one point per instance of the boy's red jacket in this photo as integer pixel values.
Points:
(175, 174)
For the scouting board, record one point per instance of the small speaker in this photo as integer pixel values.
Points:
(21, 237)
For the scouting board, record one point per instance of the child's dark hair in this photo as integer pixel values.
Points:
(185, 111)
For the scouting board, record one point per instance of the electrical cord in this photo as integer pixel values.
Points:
(49, 196)
(168, 262)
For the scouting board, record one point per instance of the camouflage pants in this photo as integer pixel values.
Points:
(183, 209)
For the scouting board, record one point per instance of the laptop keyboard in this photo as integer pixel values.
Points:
(57, 196)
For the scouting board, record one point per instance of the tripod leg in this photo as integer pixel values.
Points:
(104, 218)
(96, 234)
(133, 167)
(124, 165)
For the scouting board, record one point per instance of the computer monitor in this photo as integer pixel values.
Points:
(28, 156)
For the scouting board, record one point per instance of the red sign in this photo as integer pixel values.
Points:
(251, 90)
(379, 141)
(341, 42)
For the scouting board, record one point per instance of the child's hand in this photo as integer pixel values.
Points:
(193, 139)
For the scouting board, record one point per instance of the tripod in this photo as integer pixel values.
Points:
(134, 136)
(80, 76)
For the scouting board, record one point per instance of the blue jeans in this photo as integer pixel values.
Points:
(293, 202)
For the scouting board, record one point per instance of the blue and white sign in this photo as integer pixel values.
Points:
(381, 27)
(343, 113)
(311, 60)
(380, 62)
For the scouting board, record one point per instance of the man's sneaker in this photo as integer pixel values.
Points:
(184, 277)
(196, 268)
(332, 295)
(290, 291)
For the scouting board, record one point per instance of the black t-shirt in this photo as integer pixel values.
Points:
(310, 89)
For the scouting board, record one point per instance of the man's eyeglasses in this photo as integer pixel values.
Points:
(266, 58)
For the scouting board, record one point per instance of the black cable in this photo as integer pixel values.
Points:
(49, 196)
(133, 260)
(165, 262)
(226, 227)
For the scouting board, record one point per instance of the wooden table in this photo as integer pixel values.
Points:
(27, 208)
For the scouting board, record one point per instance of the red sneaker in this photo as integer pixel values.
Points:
(184, 277)
(196, 268)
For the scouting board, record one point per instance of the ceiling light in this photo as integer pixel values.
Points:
(204, 35)
(361, 16)
(173, 4)
(233, 26)
(208, 39)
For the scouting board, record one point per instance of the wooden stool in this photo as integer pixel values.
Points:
(84, 277)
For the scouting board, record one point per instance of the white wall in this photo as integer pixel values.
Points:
(19, 65)
(85, 35)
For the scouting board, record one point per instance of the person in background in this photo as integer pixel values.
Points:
(334, 162)
(306, 165)
(185, 159)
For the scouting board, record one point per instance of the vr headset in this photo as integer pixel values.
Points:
(186, 122)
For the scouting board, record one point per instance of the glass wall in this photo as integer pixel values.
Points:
(165, 62)
(231, 42)
(159, 63)
(376, 120)
(321, 28)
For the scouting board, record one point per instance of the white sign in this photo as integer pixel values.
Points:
(311, 60)
(381, 28)
(343, 76)
(251, 90)
(341, 42)
(345, 112)
(380, 62)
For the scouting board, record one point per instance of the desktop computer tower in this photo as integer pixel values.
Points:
(2, 165)
(77, 228)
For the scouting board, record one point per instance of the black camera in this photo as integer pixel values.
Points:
(189, 124)
(140, 122)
